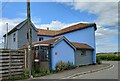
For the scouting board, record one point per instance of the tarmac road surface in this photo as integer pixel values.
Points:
(111, 73)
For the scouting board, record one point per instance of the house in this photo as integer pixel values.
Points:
(17, 37)
(75, 43)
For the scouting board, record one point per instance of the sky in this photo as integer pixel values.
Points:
(58, 15)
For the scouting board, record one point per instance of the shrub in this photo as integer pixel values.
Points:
(70, 65)
(19, 77)
(26, 73)
(98, 60)
(15, 77)
(60, 66)
(41, 73)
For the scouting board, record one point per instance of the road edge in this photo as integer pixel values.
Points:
(91, 71)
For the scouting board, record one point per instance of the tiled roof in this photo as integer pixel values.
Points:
(65, 30)
(82, 46)
(46, 32)
(49, 41)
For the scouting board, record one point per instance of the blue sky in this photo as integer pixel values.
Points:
(57, 15)
(47, 12)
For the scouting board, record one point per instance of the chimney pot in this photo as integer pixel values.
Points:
(47, 28)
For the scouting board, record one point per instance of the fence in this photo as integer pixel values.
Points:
(11, 63)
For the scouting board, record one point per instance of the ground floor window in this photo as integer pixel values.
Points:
(44, 54)
(83, 52)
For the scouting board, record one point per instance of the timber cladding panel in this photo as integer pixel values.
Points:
(11, 63)
(44, 66)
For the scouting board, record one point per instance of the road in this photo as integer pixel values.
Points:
(111, 73)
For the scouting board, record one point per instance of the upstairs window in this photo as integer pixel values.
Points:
(27, 35)
(14, 39)
(41, 38)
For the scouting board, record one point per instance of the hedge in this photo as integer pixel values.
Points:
(109, 57)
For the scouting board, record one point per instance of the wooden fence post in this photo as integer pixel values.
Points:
(9, 64)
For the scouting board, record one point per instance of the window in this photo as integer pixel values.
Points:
(14, 37)
(44, 54)
(41, 38)
(36, 52)
(14, 34)
(83, 52)
(27, 35)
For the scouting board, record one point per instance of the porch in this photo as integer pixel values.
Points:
(40, 57)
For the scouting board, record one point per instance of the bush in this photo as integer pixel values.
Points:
(70, 65)
(60, 66)
(26, 73)
(98, 60)
(41, 73)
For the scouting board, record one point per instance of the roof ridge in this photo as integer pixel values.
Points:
(67, 29)
(78, 24)
(52, 38)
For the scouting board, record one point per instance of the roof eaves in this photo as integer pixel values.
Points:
(66, 40)
(45, 35)
(92, 25)
(34, 26)
(56, 41)
(85, 48)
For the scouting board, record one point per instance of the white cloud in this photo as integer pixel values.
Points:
(53, 25)
(107, 47)
(107, 12)
(11, 24)
(105, 33)
(56, 25)
(107, 15)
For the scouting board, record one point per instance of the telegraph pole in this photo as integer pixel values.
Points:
(29, 40)
(6, 42)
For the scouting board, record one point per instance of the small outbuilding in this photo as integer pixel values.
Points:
(83, 54)
(47, 53)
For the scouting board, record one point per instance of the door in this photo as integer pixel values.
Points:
(36, 58)
(44, 58)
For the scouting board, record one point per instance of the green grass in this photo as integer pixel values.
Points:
(109, 56)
